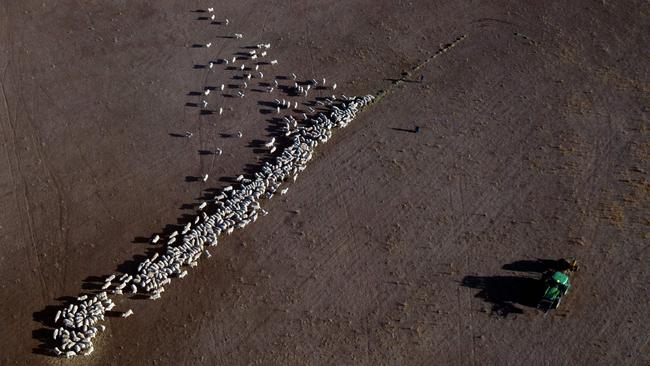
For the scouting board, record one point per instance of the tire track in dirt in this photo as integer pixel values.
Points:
(31, 251)
(61, 197)
(37, 144)
(59, 193)
(23, 202)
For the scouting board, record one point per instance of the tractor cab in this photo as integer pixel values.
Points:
(560, 279)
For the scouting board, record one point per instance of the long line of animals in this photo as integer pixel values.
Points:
(234, 207)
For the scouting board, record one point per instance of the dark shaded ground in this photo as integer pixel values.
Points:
(510, 294)
(388, 249)
(507, 294)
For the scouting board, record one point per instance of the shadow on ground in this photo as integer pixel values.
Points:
(507, 294)
(511, 294)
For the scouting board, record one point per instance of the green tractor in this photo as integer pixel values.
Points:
(556, 285)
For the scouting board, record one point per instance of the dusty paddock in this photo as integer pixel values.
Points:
(392, 247)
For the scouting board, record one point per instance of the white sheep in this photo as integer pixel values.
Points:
(270, 143)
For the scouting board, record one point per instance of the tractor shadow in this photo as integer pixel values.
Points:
(512, 294)
(507, 294)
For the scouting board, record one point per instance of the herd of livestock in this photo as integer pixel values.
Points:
(234, 207)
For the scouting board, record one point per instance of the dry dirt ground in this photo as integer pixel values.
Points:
(393, 247)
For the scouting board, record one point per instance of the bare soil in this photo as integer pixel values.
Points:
(393, 247)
